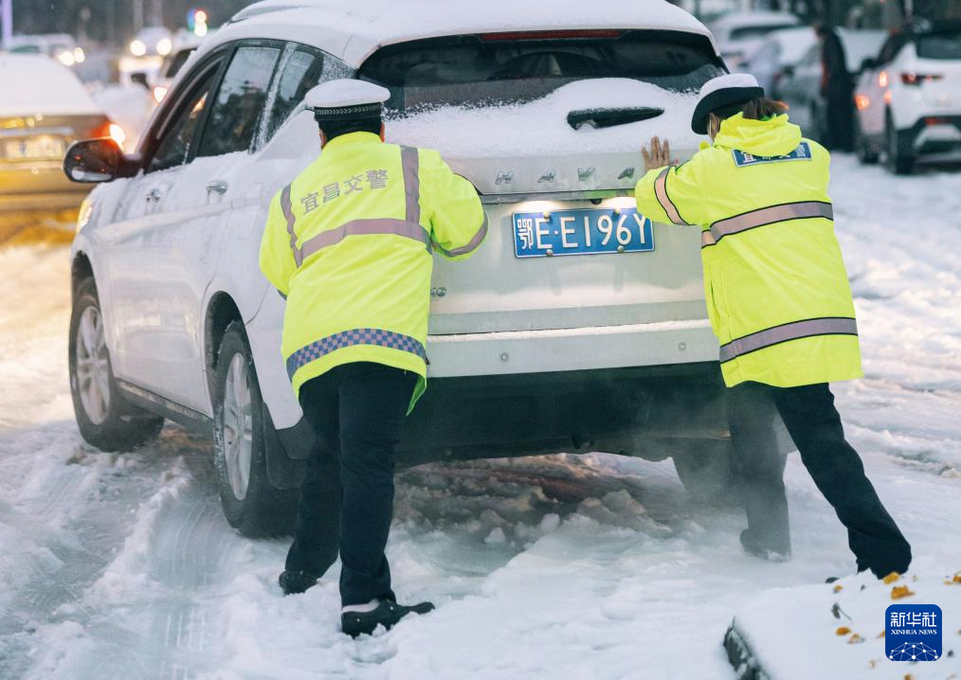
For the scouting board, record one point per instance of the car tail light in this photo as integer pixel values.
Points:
(936, 121)
(883, 79)
(552, 35)
(862, 101)
(917, 78)
(113, 131)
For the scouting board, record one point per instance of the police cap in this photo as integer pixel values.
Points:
(731, 88)
(346, 99)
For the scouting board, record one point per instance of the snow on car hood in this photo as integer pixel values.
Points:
(515, 148)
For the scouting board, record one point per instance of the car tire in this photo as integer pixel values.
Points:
(898, 160)
(250, 502)
(105, 419)
(867, 154)
(706, 469)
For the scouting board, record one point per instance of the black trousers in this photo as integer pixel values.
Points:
(812, 420)
(357, 412)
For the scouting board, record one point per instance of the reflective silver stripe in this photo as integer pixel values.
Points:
(770, 215)
(471, 245)
(660, 191)
(789, 331)
(366, 228)
(291, 220)
(410, 161)
(707, 239)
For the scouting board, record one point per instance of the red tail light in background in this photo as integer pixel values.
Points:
(862, 101)
(113, 131)
(918, 78)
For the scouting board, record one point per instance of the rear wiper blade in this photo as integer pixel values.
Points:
(602, 118)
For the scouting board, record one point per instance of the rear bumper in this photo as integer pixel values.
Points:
(40, 186)
(645, 411)
(934, 135)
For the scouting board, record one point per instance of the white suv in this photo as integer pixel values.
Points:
(578, 326)
(909, 99)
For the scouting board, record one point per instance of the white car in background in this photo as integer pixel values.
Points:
(531, 350)
(739, 34)
(909, 99)
(800, 85)
(778, 56)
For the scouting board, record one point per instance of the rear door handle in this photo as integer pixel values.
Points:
(219, 186)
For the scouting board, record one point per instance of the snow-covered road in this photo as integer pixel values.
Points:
(122, 566)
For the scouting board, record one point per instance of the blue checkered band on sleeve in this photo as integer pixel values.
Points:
(358, 336)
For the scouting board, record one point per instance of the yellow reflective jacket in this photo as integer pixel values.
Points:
(349, 243)
(777, 292)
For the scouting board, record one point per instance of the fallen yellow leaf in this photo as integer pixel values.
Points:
(855, 639)
(843, 630)
(957, 578)
(891, 578)
(838, 588)
(907, 677)
(899, 592)
(881, 634)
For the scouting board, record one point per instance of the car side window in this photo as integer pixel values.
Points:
(237, 108)
(177, 140)
(301, 71)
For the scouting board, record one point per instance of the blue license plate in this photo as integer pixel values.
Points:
(593, 231)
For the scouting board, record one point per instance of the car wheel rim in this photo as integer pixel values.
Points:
(92, 366)
(238, 426)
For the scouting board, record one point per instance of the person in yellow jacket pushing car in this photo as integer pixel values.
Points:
(350, 244)
(780, 304)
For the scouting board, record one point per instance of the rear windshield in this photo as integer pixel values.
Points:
(946, 45)
(749, 32)
(517, 68)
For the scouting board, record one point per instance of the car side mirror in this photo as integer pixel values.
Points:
(868, 64)
(140, 78)
(97, 160)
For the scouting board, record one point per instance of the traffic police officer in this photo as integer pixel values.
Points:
(349, 243)
(780, 304)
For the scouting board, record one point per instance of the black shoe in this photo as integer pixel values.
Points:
(293, 582)
(752, 546)
(387, 614)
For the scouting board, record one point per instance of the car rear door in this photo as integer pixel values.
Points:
(543, 123)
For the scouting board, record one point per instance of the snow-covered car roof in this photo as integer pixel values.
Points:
(35, 83)
(353, 31)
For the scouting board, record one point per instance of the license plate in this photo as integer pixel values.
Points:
(594, 231)
(36, 147)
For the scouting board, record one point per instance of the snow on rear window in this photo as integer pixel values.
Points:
(39, 84)
(489, 70)
(540, 128)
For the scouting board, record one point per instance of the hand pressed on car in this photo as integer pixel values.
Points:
(659, 155)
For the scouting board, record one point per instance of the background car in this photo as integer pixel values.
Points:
(738, 35)
(146, 54)
(61, 46)
(532, 351)
(45, 108)
(800, 86)
(184, 44)
(909, 98)
(778, 55)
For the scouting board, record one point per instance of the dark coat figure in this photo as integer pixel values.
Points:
(837, 88)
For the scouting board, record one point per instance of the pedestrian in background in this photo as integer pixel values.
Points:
(349, 243)
(780, 304)
(837, 90)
